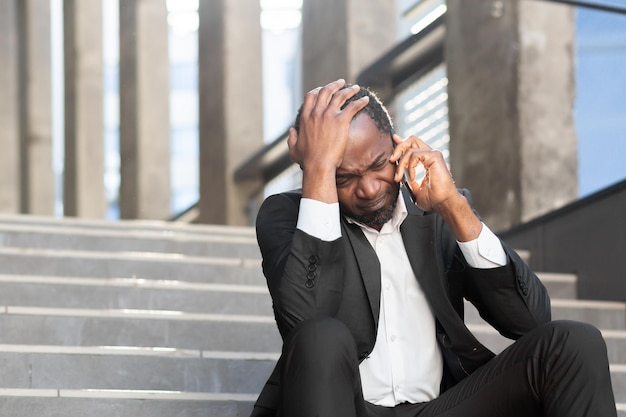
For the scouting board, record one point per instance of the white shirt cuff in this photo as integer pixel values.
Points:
(485, 251)
(320, 220)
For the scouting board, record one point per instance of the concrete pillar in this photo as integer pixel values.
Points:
(511, 91)
(9, 109)
(144, 110)
(231, 106)
(83, 191)
(342, 37)
(35, 92)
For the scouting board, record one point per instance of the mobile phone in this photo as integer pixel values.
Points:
(405, 182)
(405, 177)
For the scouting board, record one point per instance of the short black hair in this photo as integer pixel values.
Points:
(375, 110)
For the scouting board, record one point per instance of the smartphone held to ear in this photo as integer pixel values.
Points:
(405, 176)
(405, 183)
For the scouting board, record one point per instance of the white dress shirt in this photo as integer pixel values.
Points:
(405, 364)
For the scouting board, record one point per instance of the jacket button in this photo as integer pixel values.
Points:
(313, 259)
(312, 267)
(309, 283)
(311, 275)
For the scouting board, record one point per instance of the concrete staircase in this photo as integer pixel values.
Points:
(158, 319)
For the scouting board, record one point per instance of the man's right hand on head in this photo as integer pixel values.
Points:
(323, 132)
(320, 143)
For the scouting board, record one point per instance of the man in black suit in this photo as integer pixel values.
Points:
(368, 280)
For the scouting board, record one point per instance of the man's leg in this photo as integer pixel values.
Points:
(559, 369)
(320, 374)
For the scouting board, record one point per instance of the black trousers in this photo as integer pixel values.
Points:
(560, 369)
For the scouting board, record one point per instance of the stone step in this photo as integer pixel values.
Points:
(555, 283)
(154, 368)
(49, 326)
(151, 370)
(20, 261)
(125, 225)
(103, 327)
(131, 369)
(167, 266)
(602, 314)
(129, 293)
(562, 286)
(618, 379)
(115, 239)
(122, 403)
(616, 345)
(77, 292)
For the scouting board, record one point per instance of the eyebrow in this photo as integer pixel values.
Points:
(379, 160)
(376, 163)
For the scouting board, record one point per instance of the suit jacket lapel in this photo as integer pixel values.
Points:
(419, 241)
(368, 264)
(419, 236)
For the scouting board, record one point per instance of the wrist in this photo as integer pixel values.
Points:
(451, 205)
(319, 183)
(458, 214)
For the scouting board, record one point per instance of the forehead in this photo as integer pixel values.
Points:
(365, 143)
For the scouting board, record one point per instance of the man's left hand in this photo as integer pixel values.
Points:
(437, 186)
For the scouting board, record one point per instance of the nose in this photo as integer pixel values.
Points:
(368, 187)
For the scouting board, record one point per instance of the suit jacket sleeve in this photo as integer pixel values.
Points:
(511, 298)
(304, 274)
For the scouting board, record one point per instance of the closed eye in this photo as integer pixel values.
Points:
(378, 165)
(342, 180)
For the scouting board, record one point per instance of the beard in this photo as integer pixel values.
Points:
(377, 218)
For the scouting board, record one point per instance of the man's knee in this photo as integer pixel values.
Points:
(320, 374)
(578, 340)
(322, 340)
(575, 369)
(578, 334)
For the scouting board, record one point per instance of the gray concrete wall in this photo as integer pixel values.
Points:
(341, 38)
(83, 191)
(231, 106)
(144, 110)
(546, 100)
(510, 69)
(9, 109)
(35, 92)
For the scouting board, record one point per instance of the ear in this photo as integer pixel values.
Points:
(291, 143)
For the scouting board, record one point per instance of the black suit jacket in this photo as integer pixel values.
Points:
(308, 278)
